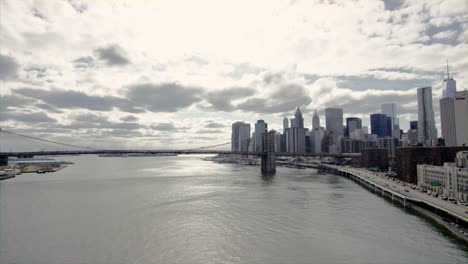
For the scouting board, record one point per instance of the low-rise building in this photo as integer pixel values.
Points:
(450, 180)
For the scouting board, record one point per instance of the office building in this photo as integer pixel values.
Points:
(461, 117)
(380, 125)
(316, 137)
(285, 124)
(334, 121)
(315, 120)
(352, 123)
(406, 159)
(450, 180)
(240, 136)
(447, 121)
(296, 134)
(427, 132)
(413, 125)
(260, 128)
(454, 119)
(390, 110)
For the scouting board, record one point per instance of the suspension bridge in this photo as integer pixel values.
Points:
(268, 155)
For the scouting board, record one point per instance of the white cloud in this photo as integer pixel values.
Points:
(215, 45)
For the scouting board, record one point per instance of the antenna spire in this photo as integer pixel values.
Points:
(448, 74)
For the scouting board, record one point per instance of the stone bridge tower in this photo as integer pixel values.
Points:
(268, 156)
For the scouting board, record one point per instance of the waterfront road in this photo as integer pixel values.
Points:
(458, 210)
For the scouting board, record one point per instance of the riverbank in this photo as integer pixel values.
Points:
(458, 231)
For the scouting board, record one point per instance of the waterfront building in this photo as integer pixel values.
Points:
(390, 110)
(260, 128)
(380, 125)
(427, 132)
(406, 159)
(296, 134)
(352, 123)
(315, 120)
(240, 136)
(355, 145)
(451, 179)
(375, 158)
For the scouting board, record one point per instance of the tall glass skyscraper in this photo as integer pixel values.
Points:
(240, 136)
(334, 121)
(427, 131)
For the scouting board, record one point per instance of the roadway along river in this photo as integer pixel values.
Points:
(185, 210)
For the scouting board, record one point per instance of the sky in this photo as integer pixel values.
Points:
(176, 74)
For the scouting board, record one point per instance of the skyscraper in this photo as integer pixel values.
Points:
(454, 119)
(379, 125)
(449, 86)
(334, 121)
(413, 125)
(390, 110)
(427, 132)
(260, 128)
(315, 120)
(447, 121)
(352, 123)
(285, 124)
(461, 117)
(295, 135)
(240, 136)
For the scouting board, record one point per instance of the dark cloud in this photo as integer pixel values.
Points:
(78, 5)
(84, 62)
(14, 101)
(164, 127)
(167, 97)
(47, 107)
(35, 117)
(214, 125)
(8, 67)
(113, 55)
(371, 103)
(91, 120)
(221, 100)
(38, 14)
(73, 99)
(129, 118)
(209, 131)
(283, 99)
(39, 72)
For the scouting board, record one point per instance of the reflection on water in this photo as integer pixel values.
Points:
(185, 210)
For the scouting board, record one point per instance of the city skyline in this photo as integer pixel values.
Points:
(107, 83)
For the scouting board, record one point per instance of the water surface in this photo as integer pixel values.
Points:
(186, 210)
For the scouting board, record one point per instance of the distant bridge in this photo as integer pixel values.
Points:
(268, 155)
(120, 151)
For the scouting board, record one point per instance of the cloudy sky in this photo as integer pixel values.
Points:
(176, 74)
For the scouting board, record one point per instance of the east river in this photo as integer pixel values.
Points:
(186, 210)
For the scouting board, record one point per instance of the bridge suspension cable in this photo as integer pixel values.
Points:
(45, 140)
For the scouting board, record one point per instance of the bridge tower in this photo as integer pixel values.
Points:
(268, 155)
